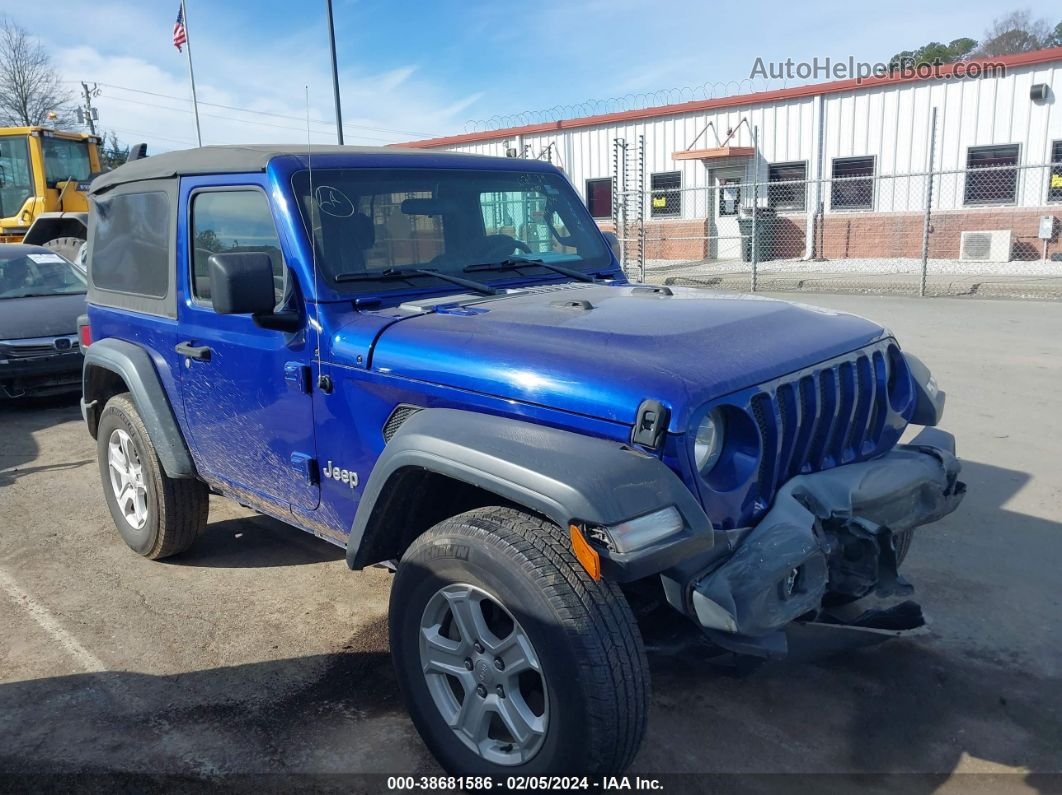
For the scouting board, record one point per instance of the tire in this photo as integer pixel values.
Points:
(587, 703)
(66, 247)
(161, 516)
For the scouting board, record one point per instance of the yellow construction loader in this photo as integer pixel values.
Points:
(44, 176)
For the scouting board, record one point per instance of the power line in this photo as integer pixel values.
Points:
(254, 122)
(264, 112)
(126, 132)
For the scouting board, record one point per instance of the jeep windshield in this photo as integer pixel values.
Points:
(502, 225)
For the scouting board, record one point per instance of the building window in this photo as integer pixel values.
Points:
(787, 188)
(1054, 191)
(666, 197)
(853, 183)
(599, 197)
(991, 175)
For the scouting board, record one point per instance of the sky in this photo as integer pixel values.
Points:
(414, 70)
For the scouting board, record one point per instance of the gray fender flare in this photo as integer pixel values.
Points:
(562, 475)
(134, 366)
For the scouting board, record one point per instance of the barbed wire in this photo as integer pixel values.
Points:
(619, 104)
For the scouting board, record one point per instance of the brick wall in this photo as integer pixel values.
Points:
(899, 235)
(864, 235)
(677, 240)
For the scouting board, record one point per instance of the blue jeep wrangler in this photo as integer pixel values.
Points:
(435, 361)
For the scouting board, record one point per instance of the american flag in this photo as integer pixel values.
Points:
(180, 35)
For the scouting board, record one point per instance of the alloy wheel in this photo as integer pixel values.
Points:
(484, 674)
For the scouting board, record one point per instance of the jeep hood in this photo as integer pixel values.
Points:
(600, 350)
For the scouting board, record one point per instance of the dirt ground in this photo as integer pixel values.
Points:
(259, 652)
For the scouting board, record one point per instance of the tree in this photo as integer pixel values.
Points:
(934, 51)
(30, 87)
(1056, 36)
(113, 152)
(1018, 32)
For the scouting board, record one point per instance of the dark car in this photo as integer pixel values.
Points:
(41, 297)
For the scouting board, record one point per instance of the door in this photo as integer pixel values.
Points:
(728, 202)
(245, 388)
(16, 183)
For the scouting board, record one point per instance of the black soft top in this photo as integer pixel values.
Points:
(237, 159)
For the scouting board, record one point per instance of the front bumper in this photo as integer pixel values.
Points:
(41, 376)
(830, 534)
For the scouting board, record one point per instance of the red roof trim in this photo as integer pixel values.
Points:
(797, 92)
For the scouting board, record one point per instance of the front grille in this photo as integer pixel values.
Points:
(38, 348)
(832, 416)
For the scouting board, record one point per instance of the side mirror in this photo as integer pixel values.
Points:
(241, 283)
(613, 243)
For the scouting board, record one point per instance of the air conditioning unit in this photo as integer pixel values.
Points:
(988, 246)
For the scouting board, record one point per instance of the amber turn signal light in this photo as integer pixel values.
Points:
(584, 553)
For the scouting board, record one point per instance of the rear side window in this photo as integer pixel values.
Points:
(130, 251)
(232, 220)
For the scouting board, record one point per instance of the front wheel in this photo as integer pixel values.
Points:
(510, 658)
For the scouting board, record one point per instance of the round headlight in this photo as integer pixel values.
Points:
(708, 441)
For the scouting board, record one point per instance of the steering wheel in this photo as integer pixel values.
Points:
(496, 247)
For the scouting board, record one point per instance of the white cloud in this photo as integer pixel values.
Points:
(145, 93)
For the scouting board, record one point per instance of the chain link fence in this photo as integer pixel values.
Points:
(992, 229)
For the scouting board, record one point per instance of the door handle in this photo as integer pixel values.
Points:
(199, 352)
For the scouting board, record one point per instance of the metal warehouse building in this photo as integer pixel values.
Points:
(948, 167)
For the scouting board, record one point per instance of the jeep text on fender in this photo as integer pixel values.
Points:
(540, 443)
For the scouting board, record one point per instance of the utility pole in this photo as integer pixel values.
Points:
(90, 112)
(335, 73)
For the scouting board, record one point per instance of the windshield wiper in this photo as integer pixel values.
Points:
(514, 264)
(398, 274)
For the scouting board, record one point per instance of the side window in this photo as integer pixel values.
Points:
(131, 249)
(232, 220)
(16, 186)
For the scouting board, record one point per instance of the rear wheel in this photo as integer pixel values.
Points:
(511, 659)
(156, 515)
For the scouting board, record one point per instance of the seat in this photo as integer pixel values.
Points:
(344, 241)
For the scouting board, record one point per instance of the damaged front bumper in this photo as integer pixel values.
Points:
(830, 537)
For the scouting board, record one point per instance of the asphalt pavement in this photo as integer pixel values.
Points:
(259, 652)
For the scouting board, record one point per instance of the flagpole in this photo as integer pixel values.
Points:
(191, 72)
